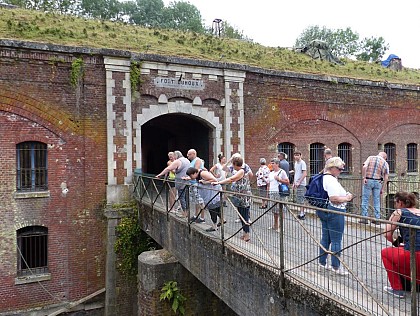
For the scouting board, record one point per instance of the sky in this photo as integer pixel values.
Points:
(278, 23)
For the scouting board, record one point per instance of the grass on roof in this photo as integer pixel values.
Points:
(73, 31)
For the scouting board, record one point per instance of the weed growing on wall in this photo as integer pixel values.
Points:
(135, 72)
(76, 72)
(171, 292)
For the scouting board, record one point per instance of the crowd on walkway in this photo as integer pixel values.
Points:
(273, 182)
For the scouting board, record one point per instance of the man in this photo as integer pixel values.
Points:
(300, 181)
(284, 164)
(375, 173)
(327, 155)
(197, 163)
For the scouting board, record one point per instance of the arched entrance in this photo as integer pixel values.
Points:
(171, 132)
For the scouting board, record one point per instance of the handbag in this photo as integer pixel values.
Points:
(283, 188)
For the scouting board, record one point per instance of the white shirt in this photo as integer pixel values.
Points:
(274, 184)
(334, 188)
(219, 172)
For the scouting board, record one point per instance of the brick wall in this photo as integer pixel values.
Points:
(306, 110)
(37, 103)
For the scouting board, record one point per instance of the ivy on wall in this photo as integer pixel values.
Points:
(130, 243)
(76, 72)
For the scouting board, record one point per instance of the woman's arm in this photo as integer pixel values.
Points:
(171, 167)
(341, 199)
(231, 179)
(390, 228)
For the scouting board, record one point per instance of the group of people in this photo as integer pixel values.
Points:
(206, 185)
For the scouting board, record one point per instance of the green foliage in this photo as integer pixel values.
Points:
(68, 30)
(147, 13)
(372, 49)
(183, 16)
(131, 241)
(171, 292)
(76, 72)
(135, 72)
(345, 43)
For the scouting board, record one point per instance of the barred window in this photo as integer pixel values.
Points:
(412, 161)
(389, 148)
(316, 158)
(32, 171)
(288, 149)
(344, 152)
(32, 243)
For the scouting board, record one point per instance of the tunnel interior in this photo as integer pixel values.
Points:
(172, 132)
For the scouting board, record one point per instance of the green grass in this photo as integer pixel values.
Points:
(68, 30)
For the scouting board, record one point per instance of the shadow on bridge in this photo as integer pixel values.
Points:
(284, 262)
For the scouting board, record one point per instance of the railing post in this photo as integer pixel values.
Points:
(281, 247)
(167, 194)
(222, 219)
(413, 271)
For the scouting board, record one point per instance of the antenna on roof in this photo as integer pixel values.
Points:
(216, 28)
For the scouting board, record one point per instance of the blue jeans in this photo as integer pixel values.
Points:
(182, 196)
(372, 186)
(244, 211)
(332, 234)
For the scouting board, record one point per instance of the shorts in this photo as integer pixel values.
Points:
(300, 194)
(276, 196)
(262, 191)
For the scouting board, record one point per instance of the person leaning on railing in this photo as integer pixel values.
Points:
(396, 260)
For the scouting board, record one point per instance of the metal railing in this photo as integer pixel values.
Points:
(293, 250)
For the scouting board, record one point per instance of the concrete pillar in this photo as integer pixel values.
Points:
(111, 276)
(158, 267)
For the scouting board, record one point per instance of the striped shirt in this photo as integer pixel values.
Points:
(376, 167)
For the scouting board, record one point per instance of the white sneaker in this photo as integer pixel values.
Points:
(324, 267)
(238, 220)
(340, 271)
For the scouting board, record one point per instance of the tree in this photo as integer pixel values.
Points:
(344, 43)
(372, 49)
(183, 16)
(231, 32)
(147, 13)
(102, 9)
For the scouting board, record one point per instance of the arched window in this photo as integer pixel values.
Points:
(288, 149)
(344, 152)
(412, 158)
(389, 148)
(316, 158)
(32, 244)
(31, 166)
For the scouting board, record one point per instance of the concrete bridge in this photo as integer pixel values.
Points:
(275, 273)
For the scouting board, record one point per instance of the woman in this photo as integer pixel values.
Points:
(208, 195)
(262, 181)
(276, 177)
(171, 183)
(241, 186)
(332, 223)
(219, 173)
(396, 260)
(179, 166)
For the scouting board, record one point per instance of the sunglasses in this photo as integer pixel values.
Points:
(341, 169)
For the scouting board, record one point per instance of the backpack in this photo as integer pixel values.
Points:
(315, 193)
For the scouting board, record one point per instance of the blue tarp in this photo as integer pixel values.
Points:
(386, 62)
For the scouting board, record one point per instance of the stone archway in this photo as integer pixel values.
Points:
(201, 115)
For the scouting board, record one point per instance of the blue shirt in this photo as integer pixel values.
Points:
(411, 219)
